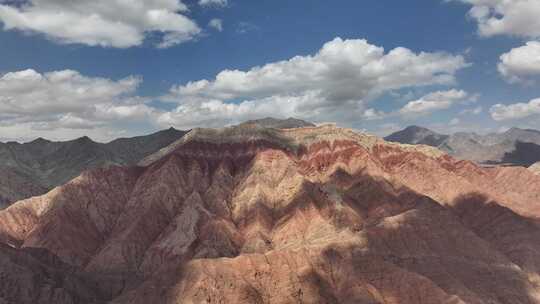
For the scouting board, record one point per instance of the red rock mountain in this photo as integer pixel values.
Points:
(255, 215)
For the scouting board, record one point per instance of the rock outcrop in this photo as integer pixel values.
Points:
(535, 168)
(310, 215)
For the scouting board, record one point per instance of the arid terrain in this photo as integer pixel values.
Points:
(269, 152)
(250, 214)
(515, 147)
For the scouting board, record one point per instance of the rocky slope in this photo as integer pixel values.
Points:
(310, 215)
(535, 168)
(36, 276)
(288, 123)
(36, 167)
(513, 147)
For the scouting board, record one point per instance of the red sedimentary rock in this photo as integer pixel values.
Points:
(310, 215)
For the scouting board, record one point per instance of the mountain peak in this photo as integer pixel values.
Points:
(417, 135)
(515, 146)
(40, 140)
(417, 128)
(514, 130)
(271, 122)
(84, 139)
(288, 139)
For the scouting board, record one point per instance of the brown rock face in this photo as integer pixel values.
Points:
(34, 276)
(311, 215)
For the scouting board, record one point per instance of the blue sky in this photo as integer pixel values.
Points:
(125, 72)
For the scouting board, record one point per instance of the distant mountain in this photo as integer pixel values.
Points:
(516, 134)
(33, 168)
(416, 135)
(289, 123)
(514, 147)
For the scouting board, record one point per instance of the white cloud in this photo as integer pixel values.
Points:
(455, 121)
(500, 112)
(107, 23)
(334, 84)
(522, 63)
(372, 114)
(386, 129)
(246, 27)
(216, 24)
(435, 101)
(338, 83)
(216, 113)
(68, 103)
(506, 17)
(474, 111)
(213, 3)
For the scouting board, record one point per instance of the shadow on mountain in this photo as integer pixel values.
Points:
(517, 237)
(410, 248)
(37, 276)
(525, 154)
(475, 252)
(373, 241)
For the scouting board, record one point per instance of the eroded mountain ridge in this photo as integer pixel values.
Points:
(310, 215)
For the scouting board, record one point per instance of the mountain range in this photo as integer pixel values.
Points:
(514, 147)
(36, 167)
(250, 214)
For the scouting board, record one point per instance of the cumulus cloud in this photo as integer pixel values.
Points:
(107, 23)
(67, 100)
(473, 111)
(373, 114)
(500, 112)
(213, 3)
(434, 102)
(521, 64)
(506, 17)
(334, 84)
(216, 24)
(338, 83)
